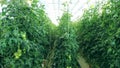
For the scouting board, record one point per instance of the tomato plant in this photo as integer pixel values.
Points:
(99, 35)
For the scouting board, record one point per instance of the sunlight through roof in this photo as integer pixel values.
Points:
(54, 8)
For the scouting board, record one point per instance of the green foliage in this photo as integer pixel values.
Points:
(24, 36)
(28, 39)
(99, 35)
(66, 49)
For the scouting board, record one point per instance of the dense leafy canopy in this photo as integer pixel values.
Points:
(99, 35)
(24, 35)
(28, 39)
(67, 46)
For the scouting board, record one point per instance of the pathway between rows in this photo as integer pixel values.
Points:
(83, 62)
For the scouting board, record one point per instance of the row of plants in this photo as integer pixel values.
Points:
(24, 35)
(28, 39)
(99, 35)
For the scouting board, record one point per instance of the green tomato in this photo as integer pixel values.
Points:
(18, 54)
